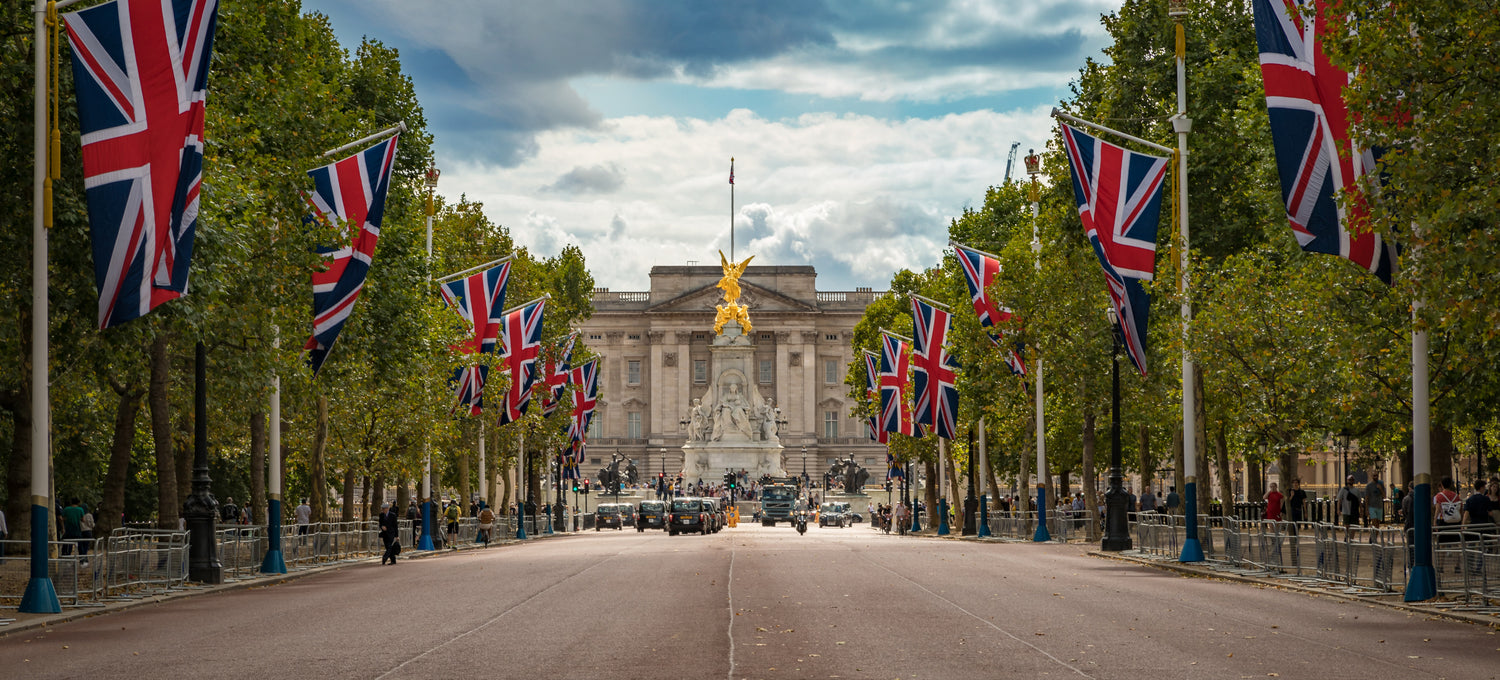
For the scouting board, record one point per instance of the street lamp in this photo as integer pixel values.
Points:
(1479, 466)
(1034, 168)
(804, 465)
(1343, 442)
(1116, 526)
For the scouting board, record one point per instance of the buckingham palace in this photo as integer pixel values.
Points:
(657, 357)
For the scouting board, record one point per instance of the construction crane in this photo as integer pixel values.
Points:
(1010, 161)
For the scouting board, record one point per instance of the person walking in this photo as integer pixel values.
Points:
(304, 517)
(72, 519)
(1477, 506)
(1447, 509)
(86, 534)
(451, 514)
(1273, 504)
(1297, 502)
(388, 535)
(1374, 502)
(1348, 500)
(486, 523)
(1174, 501)
(229, 513)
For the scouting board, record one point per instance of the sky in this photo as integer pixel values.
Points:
(858, 128)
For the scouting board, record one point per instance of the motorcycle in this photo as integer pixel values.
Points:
(801, 523)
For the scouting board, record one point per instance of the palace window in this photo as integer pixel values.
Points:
(595, 429)
(830, 424)
(633, 372)
(596, 336)
(633, 336)
(700, 371)
(831, 371)
(766, 372)
(830, 336)
(633, 425)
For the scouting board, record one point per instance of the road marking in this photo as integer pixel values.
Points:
(729, 588)
(976, 617)
(497, 617)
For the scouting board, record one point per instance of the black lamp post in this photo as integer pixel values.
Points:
(971, 503)
(1479, 463)
(1116, 524)
(804, 465)
(1343, 455)
(200, 510)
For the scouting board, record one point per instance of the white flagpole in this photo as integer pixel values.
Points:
(398, 127)
(40, 596)
(1041, 535)
(731, 208)
(1192, 550)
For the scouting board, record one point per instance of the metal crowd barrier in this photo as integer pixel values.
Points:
(1061, 525)
(140, 562)
(1466, 561)
(241, 548)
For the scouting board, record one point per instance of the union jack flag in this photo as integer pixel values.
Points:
(1119, 201)
(979, 270)
(352, 192)
(522, 332)
(468, 387)
(1310, 130)
(893, 468)
(895, 410)
(569, 459)
(933, 369)
(478, 299)
(555, 380)
(585, 397)
(140, 69)
(872, 392)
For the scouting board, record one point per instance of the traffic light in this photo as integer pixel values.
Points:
(887, 486)
(585, 486)
(575, 486)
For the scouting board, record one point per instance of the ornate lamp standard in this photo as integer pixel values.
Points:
(1116, 527)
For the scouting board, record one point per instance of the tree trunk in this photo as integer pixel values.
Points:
(931, 493)
(1064, 485)
(989, 470)
(1442, 457)
(112, 505)
(1257, 487)
(1221, 460)
(182, 444)
(161, 435)
(18, 471)
(346, 514)
(403, 495)
(319, 491)
(506, 501)
(1147, 463)
(1023, 476)
(1200, 423)
(257, 467)
(366, 512)
(463, 480)
(953, 485)
(1090, 475)
(377, 495)
(1179, 472)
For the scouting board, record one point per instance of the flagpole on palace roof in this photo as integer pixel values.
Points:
(398, 127)
(731, 209)
(40, 596)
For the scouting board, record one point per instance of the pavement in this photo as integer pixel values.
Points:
(755, 602)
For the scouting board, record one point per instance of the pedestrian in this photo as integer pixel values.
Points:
(388, 534)
(486, 523)
(229, 513)
(1348, 500)
(1174, 501)
(1148, 501)
(1477, 505)
(1447, 509)
(1398, 501)
(1273, 504)
(452, 516)
(901, 515)
(72, 517)
(1297, 503)
(304, 517)
(86, 532)
(1374, 502)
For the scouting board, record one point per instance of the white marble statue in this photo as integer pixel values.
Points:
(769, 414)
(730, 416)
(698, 422)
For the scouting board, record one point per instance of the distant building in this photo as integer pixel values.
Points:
(656, 361)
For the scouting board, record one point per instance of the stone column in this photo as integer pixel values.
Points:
(783, 371)
(684, 380)
(812, 374)
(655, 374)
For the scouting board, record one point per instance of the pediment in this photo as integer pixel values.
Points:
(706, 298)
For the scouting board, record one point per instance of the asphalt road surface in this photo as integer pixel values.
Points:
(754, 602)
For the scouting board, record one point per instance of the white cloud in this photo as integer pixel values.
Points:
(856, 196)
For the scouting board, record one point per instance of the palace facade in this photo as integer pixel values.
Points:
(655, 345)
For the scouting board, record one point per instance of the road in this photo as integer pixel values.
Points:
(756, 602)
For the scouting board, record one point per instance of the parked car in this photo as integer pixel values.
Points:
(688, 514)
(607, 515)
(832, 514)
(627, 514)
(721, 513)
(652, 515)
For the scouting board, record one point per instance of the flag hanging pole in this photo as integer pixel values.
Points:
(1075, 119)
(931, 301)
(547, 296)
(40, 596)
(398, 127)
(896, 335)
(471, 270)
(992, 256)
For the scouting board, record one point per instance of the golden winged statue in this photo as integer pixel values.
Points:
(732, 310)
